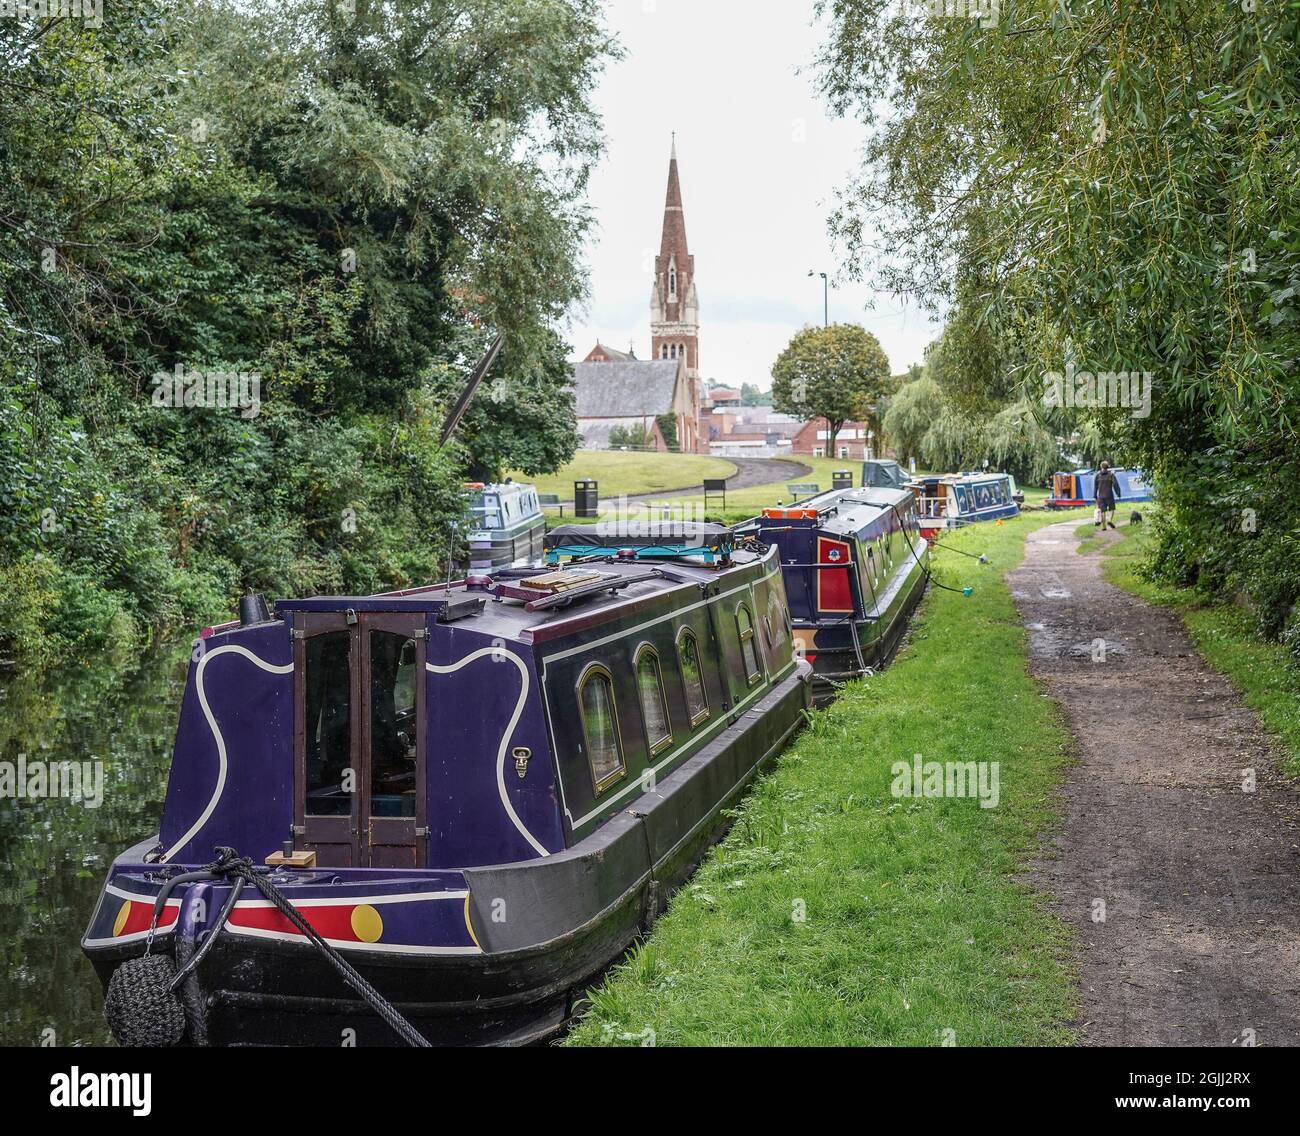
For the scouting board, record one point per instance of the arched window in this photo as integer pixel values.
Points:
(688, 658)
(654, 706)
(672, 281)
(600, 726)
(748, 652)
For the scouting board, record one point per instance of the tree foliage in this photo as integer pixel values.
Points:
(838, 373)
(347, 205)
(1109, 186)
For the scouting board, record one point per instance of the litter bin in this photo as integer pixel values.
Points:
(842, 479)
(585, 499)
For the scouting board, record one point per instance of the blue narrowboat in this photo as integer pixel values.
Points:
(508, 525)
(855, 564)
(949, 501)
(473, 795)
(1071, 490)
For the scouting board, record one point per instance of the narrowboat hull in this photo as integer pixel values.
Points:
(831, 647)
(535, 934)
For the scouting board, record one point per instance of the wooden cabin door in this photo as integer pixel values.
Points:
(359, 738)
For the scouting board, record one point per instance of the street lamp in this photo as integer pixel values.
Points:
(826, 296)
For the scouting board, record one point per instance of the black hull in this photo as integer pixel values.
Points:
(578, 911)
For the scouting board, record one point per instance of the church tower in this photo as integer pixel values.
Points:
(674, 305)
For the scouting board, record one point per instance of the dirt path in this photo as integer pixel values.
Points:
(1200, 880)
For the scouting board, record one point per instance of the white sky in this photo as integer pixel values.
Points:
(760, 161)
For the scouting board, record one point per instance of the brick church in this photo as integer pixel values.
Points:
(615, 389)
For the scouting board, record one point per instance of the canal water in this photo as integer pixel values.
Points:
(56, 850)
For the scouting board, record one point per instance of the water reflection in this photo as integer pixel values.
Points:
(56, 851)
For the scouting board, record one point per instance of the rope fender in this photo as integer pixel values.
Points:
(142, 1006)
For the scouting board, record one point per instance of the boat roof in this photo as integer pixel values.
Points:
(844, 510)
(623, 586)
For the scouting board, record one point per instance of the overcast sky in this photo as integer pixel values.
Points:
(760, 161)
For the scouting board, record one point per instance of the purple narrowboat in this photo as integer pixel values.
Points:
(855, 564)
(477, 795)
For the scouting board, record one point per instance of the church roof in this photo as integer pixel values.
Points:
(625, 388)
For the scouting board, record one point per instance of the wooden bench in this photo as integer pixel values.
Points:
(803, 489)
(551, 501)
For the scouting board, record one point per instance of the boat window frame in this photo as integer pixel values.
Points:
(750, 679)
(653, 747)
(774, 601)
(590, 671)
(685, 632)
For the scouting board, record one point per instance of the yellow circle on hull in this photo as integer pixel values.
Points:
(366, 923)
(123, 913)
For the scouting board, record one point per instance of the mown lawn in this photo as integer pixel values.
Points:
(1264, 671)
(836, 914)
(630, 473)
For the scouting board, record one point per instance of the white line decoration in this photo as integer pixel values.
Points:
(216, 734)
(499, 653)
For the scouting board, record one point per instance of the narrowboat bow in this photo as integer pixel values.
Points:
(478, 794)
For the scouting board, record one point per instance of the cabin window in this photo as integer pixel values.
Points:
(600, 726)
(776, 626)
(654, 706)
(328, 725)
(393, 729)
(748, 652)
(688, 655)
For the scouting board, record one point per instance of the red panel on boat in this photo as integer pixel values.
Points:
(834, 591)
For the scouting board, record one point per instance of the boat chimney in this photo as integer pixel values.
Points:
(253, 609)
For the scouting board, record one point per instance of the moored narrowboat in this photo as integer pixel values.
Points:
(508, 525)
(949, 501)
(476, 794)
(1078, 488)
(855, 565)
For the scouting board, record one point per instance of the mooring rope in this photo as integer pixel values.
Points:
(238, 871)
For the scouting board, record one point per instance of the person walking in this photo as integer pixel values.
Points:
(1107, 492)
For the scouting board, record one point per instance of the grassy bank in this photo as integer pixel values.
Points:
(914, 922)
(618, 472)
(1264, 671)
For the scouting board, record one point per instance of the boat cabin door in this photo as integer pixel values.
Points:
(359, 738)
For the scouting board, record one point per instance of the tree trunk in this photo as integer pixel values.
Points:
(832, 429)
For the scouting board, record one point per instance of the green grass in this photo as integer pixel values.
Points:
(917, 921)
(630, 473)
(1264, 671)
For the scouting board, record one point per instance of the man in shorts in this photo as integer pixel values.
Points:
(1107, 491)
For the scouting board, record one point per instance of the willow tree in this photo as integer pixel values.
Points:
(1109, 186)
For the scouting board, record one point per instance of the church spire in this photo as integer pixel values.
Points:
(674, 307)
